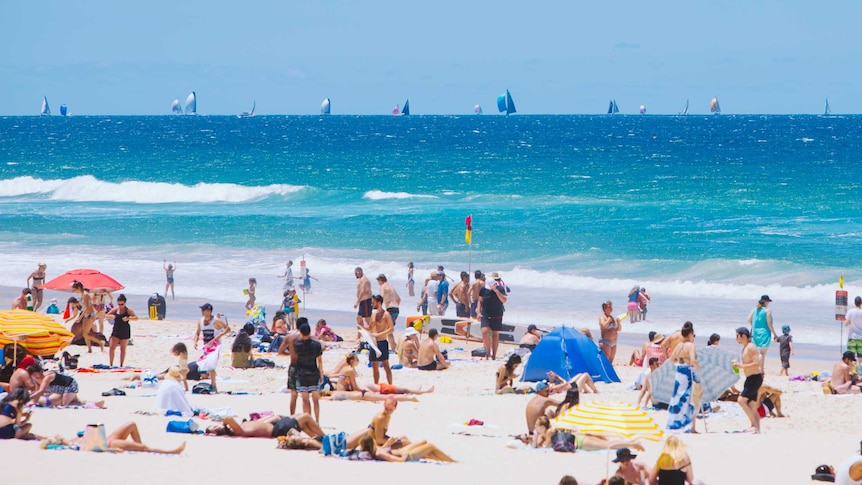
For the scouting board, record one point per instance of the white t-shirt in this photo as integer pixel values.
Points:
(854, 316)
(842, 471)
(431, 289)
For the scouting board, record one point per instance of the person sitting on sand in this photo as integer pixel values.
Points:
(49, 388)
(572, 399)
(530, 339)
(539, 404)
(506, 375)
(844, 381)
(673, 465)
(344, 374)
(430, 357)
(379, 426)
(268, 427)
(241, 355)
(771, 397)
(324, 333)
(631, 470)
(364, 395)
(125, 438)
(645, 395)
(171, 396)
(408, 348)
(421, 450)
(14, 419)
(544, 438)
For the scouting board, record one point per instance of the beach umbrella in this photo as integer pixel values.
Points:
(38, 333)
(92, 279)
(610, 418)
(716, 375)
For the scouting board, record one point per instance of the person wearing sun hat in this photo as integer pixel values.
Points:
(761, 328)
(630, 469)
(408, 348)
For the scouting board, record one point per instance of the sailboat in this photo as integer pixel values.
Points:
(191, 107)
(46, 110)
(714, 106)
(64, 110)
(505, 103)
(406, 110)
(642, 110)
(613, 108)
(477, 109)
(827, 111)
(325, 107)
(685, 110)
(396, 111)
(176, 107)
(249, 114)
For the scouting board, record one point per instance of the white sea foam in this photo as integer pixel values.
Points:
(381, 195)
(87, 188)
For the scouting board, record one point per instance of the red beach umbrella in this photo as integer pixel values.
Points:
(92, 279)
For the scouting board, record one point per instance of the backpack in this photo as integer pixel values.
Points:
(202, 388)
(563, 441)
(259, 362)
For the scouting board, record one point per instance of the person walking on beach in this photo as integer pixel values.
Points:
(762, 331)
(100, 304)
(35, 282)
(460, 294)
(122, 331)
(391, 301)
(363, 300)
(252, 286)
(491, 309)
(751, 367)
(785, 349)
(87, 317)
(288, 346)
(380, 329)
(212, 328)
(287, 276)
(411, 284)
(169, 274)
(609, 327)
(431, 294)
(442, 293)
(309, 362)
(474, 291)
(853, 321)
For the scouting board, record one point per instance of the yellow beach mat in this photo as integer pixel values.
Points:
(611, 418)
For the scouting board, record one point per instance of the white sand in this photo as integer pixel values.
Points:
(820, 429)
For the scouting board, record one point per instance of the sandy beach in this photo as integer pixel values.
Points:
(787, 452)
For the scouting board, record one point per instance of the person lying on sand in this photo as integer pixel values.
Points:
(268, 427)
(582, 381)
(544, 433)
(125, 438)
(295, 441)
(421, 450)
(364, 395)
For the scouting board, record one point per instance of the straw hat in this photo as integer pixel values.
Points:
(174, 373)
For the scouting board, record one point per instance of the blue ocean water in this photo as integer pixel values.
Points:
(705, 211)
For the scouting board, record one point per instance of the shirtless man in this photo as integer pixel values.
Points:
(685, 334)
(409, 355)
(843, 380)
(430, 357)
(474, 291)
(20, 303)
(287, 348)
(391, 301)
(460, 294)
(268, 427)
(380, 329)
(539, 404)
(750, 367)
(363, 301)
(610, 329)
(530, 339)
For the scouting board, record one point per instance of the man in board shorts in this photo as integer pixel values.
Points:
(363, 301)
(750, 366)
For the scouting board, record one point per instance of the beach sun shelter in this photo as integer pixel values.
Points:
(568, 352)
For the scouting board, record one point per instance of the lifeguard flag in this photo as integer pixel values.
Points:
(468, 236)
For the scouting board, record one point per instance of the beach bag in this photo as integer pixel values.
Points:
(182, 426)
(149, 379)
(264, 363)
(563, 441)
(202, 388)
(94, 438)
(335, 444)
(480, 352)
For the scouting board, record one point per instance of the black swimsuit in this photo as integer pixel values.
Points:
(8, 432)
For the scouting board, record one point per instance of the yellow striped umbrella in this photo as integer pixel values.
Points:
(610, 418)
(39, 334)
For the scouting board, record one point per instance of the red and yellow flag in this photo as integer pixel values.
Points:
(468, 236)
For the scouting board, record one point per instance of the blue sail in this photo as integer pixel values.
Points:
(611, 107)
(510, 105)
(501, 103)
(63, 110)
(406, 110)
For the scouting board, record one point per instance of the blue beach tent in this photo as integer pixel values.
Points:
(568, 352)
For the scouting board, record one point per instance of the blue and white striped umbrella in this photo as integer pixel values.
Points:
(716, 375)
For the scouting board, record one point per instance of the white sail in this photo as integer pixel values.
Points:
(176, 108)
(46, 110)
(828, 110)
(685, 110)
(325, 107)
(714, 107)
(249, 114)
(477, 109)
(191, 107)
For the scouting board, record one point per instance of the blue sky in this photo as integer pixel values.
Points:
(117, 57)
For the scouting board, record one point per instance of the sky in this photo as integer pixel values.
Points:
(108, 57)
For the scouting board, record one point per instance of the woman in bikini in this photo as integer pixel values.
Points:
(87, 317)
(393, 450)
(506, 375)
(38, 278)
(610, 329)
(544, 433)
(673, 466)
(125, 438)
(100, 304)
(344, 375)
(14, 420)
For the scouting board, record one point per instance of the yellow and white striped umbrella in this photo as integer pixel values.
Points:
(39, 334)
(610, 418)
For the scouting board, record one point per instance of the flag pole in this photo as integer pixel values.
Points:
(469, 240)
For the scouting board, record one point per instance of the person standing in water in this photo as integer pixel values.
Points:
(169, 274)
(410, 283)
(38, 279)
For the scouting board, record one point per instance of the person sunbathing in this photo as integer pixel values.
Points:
(582, 381)
(268, 427)
(295, 441)
(543, 437)
(391, 451)
(365, 395)
(125, 438)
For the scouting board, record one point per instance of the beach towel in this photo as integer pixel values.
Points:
(172, 397)
(209, 360)
(681, 410)
(366, 337)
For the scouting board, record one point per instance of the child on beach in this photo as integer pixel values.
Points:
(785, 342)
(182, 353)
(252, 283)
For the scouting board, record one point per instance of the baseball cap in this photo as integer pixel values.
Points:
(743, 331)
(206, 306)
(542, 385)
(531, 327)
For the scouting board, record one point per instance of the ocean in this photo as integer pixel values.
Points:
(706, 212)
